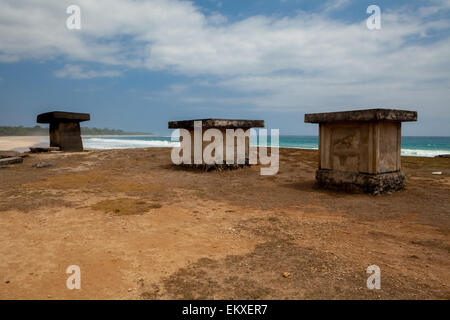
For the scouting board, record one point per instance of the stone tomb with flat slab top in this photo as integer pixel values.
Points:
(360, 150)
(64, 129)
(222, 125)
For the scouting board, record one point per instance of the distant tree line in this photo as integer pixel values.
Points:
(40, 131)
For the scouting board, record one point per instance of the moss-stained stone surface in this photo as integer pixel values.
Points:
(360, 182)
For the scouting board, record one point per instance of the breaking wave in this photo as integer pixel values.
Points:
(107, 143)
(412, 146)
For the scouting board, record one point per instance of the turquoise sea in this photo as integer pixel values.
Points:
(411, 146)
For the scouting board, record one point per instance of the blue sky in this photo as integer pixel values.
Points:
(135, 65)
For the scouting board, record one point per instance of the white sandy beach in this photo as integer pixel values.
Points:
(22, 143)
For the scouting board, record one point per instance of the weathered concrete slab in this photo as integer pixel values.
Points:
(11, 160)
(217, 123)
(362, 115)
(44, 149)
(9, 154)
(61, 116)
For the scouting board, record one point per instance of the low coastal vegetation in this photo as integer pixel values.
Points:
(42, 131)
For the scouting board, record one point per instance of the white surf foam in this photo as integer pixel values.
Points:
(101, 143)
(423, 153)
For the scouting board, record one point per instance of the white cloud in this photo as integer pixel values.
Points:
(77, 72)
(4, 58)
(332, 5)
(305, 62)
(173, 90)
(435, 7)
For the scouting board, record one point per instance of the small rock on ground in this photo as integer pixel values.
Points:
(42, 149)
(43, 164)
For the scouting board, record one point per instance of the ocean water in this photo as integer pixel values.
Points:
(411, 146)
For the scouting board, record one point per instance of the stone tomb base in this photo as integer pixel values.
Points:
(66, 135)
(360, 182)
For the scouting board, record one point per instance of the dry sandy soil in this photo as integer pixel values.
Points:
(141, 228)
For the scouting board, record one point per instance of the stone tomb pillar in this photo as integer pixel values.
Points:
(64, 129)
(222, 125)
(360, 150)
